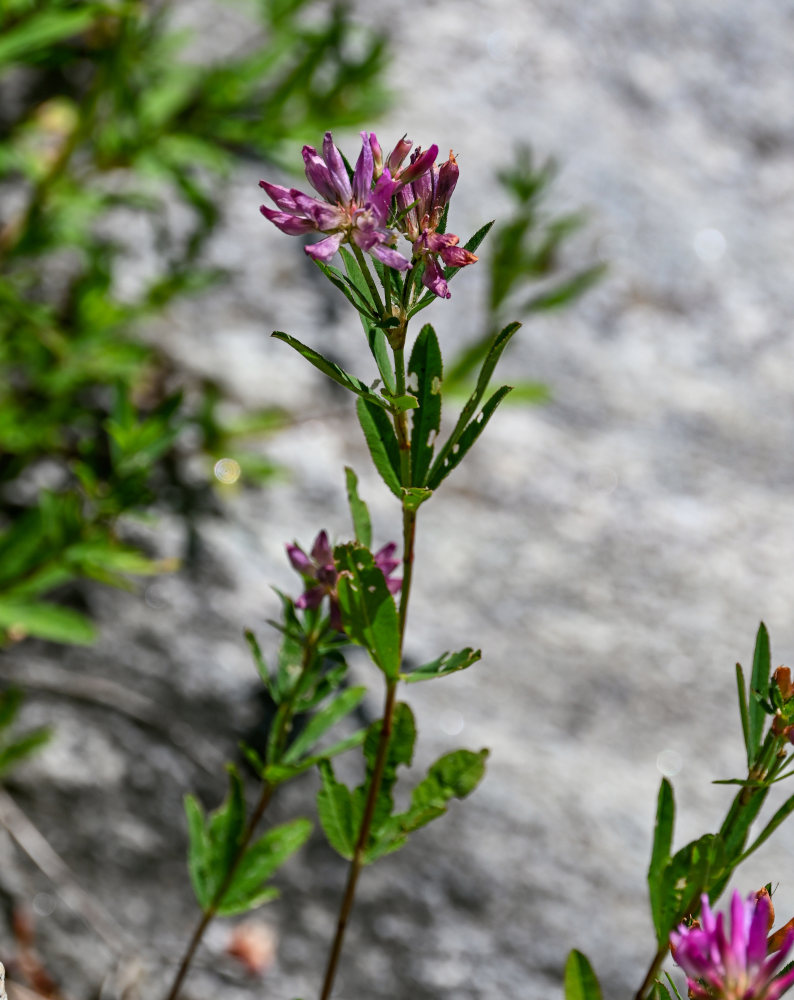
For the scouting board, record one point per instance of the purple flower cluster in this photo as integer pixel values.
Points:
(319, 570)
(358, 210)
(423, 202)
(734, 965)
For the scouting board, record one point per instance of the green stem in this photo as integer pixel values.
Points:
(268, 788)
(409, 534)
(387, 288)
(373, 288)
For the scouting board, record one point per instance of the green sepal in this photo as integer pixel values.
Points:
(581, 982)
(362, 526)
(332, 370)
(426, 366)
(447, 663)
(382, 443)
(368, 609)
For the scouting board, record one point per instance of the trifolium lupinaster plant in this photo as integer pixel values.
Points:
(382, 240)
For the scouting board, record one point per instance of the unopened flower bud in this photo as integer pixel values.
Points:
(447, 179)
(782, 677)
(763, 891)
(377, 155)
(398, 154)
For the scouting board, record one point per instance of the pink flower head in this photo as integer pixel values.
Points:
(423, 201)
(734, 965)
(351, 211)
(319, 570)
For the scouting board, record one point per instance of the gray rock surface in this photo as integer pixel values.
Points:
(612, 552)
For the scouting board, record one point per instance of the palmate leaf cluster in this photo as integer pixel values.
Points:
(108, 125)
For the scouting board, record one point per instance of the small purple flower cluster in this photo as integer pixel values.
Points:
(319, 568)
(739, 965)
(357, 210)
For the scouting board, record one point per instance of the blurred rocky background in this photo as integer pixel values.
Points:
(612, 550)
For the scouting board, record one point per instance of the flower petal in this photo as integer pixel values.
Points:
(318, 174)
(322, 552)
(420, 164)
(292, 225)
(398, 154)
(326, 217)
(458, 257)
(390, 257)
(434, 279)
(325, 249)
(336, 166)
(362, 176)
(311, 598)
(447, 179)
(281, 196)
(300, 561)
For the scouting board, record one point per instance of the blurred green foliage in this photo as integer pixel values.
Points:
(15, 746)
(104, 119)
(528, 271)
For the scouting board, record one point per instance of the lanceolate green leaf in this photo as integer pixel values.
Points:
(580, 979)
(495, 352)
(342, 705)
(380, 352)
(741, 689)
(260, 861)
(447, 663)
(332, 370)
(362, 527)
(338, 816)
(425, 374)
(400, 753)
(782, 814)
(759, 686)
(276, 773)
(368, 609)
(46, 621)
(455, 775)
(198, 851)
(660, 855)
(42, 30)
(382, 443)
(25, 745)
(451, 457)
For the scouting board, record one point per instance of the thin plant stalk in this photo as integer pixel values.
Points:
(268, 788)
(409, 533)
